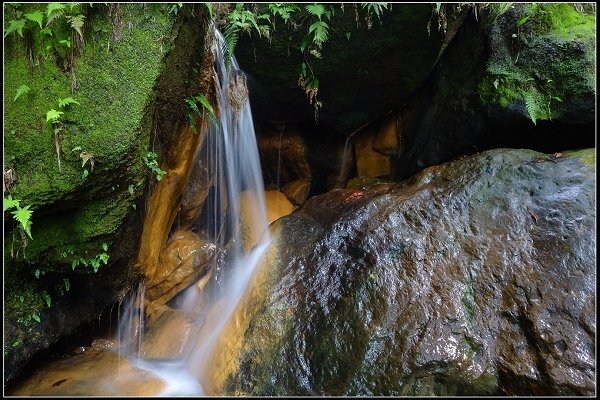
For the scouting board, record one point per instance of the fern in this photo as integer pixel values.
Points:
(378, 8)
(62, 103)
(21, 90)
(534, 105)
(315, 9)
(15, 26)
(36, 16)
(193, 105)
(53, 116)
(54, 10)
(283, 10)
(76, 22)
(320, 32)
(9, 202)
(23, 215)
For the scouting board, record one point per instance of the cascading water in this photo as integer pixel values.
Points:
(341, 178)
(236, 219)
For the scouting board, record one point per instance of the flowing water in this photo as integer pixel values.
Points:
(340, 182)
(234, 217)
(240, 226)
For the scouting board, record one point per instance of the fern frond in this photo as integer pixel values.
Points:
(76, 22)
(320, 31)
(15, 26)
(21, 90)
(66, 101)
(54, 10)
(35, 16)
(315, 9)
(532, 105)
(23, 215)
(9, 202)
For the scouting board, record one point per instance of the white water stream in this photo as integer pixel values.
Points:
(230, 151)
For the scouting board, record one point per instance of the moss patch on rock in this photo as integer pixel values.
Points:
(78, 208)
(542, 61)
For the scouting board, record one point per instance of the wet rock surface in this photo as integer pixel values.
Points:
(92, 373)
(475, 277)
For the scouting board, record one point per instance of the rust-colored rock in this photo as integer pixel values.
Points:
(194, 196)
(92, 373)
(169, 335)
(296, 191)
(185, 258)
(277, 205)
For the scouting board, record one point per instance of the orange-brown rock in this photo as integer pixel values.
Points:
(296, 191)
(185, 258)
(168, 336)
(194, 195)
(277, 205)
(91, 373)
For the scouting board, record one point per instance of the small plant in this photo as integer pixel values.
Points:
(54, 118)
(20, 214)
(193, 102)
(95, 262)
(21, 90)
(26, 320)
(151, 162)
(85, 157)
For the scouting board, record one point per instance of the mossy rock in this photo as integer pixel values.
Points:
(80, 212)
(542, 62)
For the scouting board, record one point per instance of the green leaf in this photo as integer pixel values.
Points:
(46, 31)
(104, 245)
(53, 115)
(21, 90)
(23, 215)
(522, 21)
(9, 202)
(77, 148)
(21, 299)
(104, 258)
(54, 11)
(348, 36)
(47, 298)
(36, 16)
(315, 9)
(36, 317)
(320, 30)
(66, 42)
(37, 273)
(67, 284)
(15, 26)
(74, 263)
(85, 173)
(76, 22)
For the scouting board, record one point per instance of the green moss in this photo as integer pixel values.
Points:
(113, 90)
(519, 74)
(115, 87)
(586, 156)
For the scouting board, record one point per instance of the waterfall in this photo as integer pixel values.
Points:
(235, 217)
(342, 174)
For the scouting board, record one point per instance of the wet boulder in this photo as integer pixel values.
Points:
(475, 277)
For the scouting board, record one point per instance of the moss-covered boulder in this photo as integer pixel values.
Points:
(475, 277)
(542, 62)
(128, 78)
(522, 76)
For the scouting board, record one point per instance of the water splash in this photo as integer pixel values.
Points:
(235, 217)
